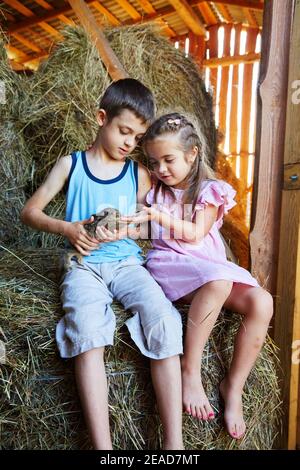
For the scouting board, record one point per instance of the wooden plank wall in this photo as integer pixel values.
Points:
(287, 319)
(226, 82)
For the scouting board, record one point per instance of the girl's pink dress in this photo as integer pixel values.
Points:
(181, 267)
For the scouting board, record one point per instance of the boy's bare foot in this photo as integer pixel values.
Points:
(195, 401)
(233, 414)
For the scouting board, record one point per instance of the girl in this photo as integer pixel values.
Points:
(188, 260)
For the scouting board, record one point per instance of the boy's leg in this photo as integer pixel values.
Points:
(87, 326)
(257, 307)
(156, 328)
(206, 304)
(166, 379)
(92, 387)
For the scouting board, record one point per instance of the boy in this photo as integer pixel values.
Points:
(100, 177)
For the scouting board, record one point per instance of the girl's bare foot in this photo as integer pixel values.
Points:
(233, 414)
(195, 401)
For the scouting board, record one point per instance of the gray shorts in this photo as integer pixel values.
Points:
(87, 292)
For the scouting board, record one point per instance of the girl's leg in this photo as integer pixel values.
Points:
(257, 306)
(166, 378)
(92, 387)
(204, 310)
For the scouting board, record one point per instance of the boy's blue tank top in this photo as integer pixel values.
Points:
(87, 195)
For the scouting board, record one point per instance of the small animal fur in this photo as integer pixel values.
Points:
(108, 218)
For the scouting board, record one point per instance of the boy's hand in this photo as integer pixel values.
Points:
(105, 235)
(79, 238)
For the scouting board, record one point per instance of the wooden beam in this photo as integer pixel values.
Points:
(14, 53)
(224, 82)
(232, 60)
(189, 17)
(165, 27)
(197, 48)
(223, 10)
(29, 14)
(250, 17)
(129, 9)
(259, 6)
(29, 44)
(111, 18)
(246, 103)
(287, 318)
(147, 6)
(110, 60)
(18, 6)
(62, 18)
(161, 13)
(233, 126)
(246, 107)
(272, 89)
(150, 10)
(207, 13)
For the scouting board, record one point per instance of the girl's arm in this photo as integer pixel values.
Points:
(191, 232)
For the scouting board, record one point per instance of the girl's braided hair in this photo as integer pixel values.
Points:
(189, 138)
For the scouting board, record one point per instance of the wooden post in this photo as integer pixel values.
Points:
(287, 320)
(109, 58)
(197, 48)
(264, 236)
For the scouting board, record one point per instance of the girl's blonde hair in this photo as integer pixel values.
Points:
(189, 138)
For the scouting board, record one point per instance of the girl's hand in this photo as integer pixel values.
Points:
(79, 238)
(146, 214)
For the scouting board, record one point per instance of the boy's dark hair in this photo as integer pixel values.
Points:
(131, 94)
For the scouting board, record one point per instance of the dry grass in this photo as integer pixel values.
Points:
(39, 407)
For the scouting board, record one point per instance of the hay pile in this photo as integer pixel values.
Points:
(39, 407)
(46, 116)
(56, 114)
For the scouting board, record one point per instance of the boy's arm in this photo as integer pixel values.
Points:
(144, 182)
(32, 213)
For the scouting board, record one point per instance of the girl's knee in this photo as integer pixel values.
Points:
(262, 304)
(220, 288)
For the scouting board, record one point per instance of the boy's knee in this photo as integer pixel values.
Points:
(164, 333)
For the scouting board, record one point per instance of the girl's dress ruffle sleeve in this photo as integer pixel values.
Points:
(219, 194)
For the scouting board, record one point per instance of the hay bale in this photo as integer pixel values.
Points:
(56, 114)
(15, 158)
(39, 407)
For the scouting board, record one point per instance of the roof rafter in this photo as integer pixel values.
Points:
(223, 10)
(189, 16)
(18, 6)
(250, 17)
(165, 11)
(111, 18)
(207, 13)
(47, 6)
(129, 9)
